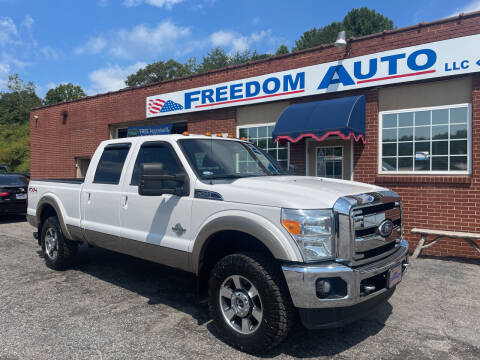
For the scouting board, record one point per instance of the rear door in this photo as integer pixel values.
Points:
(100, 197)
(156, 220)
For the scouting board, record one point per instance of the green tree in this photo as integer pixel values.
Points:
(363, 21)
(215, 59)
(357, 22)
(283, 49)
(257, 56)
(161, 71)
(15, 106)
(63, 92)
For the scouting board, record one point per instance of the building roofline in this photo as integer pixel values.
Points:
(271, 58)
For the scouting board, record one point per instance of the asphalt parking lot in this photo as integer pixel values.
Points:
(112, 306)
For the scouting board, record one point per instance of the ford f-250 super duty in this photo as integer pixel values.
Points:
(265, 246)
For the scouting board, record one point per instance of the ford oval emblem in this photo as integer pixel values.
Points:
(385, 228)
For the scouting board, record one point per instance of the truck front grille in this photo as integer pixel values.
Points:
(368, 244)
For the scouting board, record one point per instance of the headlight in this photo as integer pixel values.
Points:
(312, 230)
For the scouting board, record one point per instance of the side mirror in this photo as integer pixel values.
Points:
(153, 181)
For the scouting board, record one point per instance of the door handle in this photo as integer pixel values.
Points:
(89, 195)
(125, 201)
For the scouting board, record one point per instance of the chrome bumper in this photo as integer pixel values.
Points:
(301, 280)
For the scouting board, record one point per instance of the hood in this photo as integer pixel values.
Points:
(296, 192)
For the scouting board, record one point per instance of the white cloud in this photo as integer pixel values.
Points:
(8, 31)
(50, 53)
(28, 21)
(470, 7)
(143, 40)
(168, 4)
(238, 42)
(102, 3)
(111, 78)
(93, 46)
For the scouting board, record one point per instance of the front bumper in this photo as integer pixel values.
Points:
(301, 280)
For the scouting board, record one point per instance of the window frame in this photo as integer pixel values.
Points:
(155, 143)
(121, 128)
(326, 147)
(260, 125)
(127, 145)
(429, 172)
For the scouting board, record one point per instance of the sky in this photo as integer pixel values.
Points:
(97, 43)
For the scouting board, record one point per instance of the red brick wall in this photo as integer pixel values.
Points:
(450, 203)
(215, 121)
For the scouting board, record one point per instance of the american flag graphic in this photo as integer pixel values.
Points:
(157, 105)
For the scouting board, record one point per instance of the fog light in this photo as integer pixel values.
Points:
(323, 288)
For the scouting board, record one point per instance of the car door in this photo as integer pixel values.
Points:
(100, 198)
(163, 221)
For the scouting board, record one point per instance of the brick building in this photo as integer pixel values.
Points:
(421, 86)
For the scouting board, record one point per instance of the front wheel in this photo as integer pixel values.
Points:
(249, 302)
(58, 252)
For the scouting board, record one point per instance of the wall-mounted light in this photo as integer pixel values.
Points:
(64, 114)
(36, 120)
(343, 43)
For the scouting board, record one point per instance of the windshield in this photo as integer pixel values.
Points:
(12, 180)
(220, 159)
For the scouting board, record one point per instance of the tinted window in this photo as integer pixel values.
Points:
(13, 180)
(157, 153)
(111, 163)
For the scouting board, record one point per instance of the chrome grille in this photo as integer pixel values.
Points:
(369, 245)
(358, 219)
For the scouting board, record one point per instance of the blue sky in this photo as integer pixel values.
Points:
(97, 43)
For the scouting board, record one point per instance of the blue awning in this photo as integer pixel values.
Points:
(344, 117)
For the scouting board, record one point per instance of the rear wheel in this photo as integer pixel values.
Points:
(249, 302)
(59, 253)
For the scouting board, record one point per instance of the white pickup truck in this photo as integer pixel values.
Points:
(265, 246)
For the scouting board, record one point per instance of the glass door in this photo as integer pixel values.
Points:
(329, 162)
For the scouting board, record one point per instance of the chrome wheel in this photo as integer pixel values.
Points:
(51, 243)
(240, 304)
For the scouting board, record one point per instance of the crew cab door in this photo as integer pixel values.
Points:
(164, 220)
(100, 198)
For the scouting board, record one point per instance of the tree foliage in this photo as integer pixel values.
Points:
(357, 22)
(161, 71)
(15, 105)
(63, 92)
(215, 59)
(283, 49)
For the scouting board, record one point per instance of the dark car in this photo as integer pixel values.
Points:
(13, 194)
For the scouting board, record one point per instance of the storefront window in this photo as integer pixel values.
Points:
(261, 136)
(330, 162)
(433, 140)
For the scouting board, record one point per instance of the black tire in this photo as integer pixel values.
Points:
(278, 312)
(66, 250)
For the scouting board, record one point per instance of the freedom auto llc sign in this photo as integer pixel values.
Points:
(442, 58)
